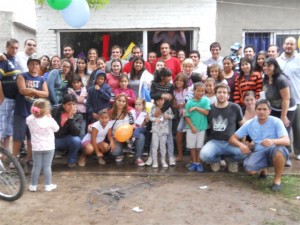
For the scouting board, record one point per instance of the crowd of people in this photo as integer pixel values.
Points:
(225, 111)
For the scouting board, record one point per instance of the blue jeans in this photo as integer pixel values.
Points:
(212, 151)
(70, 143)
(139, 147)
(42, 160)
(139, 130)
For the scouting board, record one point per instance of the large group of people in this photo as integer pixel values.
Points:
(234, 109)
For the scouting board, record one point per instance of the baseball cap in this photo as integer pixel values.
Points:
(236, 46)
(33, 57)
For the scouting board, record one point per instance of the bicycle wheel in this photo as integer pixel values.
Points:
(12, 177)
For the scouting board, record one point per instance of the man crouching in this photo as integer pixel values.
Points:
(269, 138)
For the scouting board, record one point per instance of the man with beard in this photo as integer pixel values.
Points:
(68, 52)
(289, 62)
(223, 119)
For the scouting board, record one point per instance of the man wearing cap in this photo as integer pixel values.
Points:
(236, 52)
(31, 86)
(8, 90)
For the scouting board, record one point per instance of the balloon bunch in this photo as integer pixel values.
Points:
(76, 13)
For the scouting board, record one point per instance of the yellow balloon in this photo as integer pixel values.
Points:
(148, 107)
(124, 132)
(299, 43)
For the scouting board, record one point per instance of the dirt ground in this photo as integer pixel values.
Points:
(89, 198)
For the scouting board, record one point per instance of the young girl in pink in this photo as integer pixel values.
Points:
(42, 127)
(180, 91)
(123, 89)
(80, 92)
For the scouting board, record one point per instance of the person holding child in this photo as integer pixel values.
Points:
(42, 127)
(197, 110)
(162, 88)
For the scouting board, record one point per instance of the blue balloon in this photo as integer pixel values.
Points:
(77, 14)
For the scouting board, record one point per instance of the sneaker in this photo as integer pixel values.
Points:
(288, 163)
(193, 167)
(172, 161)
(215, 167)
(50, 187)
(139, 162)
(149, 161)
(29, 163)
(222, 163)
(276, 187)
(199, 168)
(71, 165)
(298, 157)
(12, 166)
(233, 167)
(101, 161)
(164, 164)
(32, 188)
(57, 156)
(119, 158)
(155, 164)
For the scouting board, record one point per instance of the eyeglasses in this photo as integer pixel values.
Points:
(29, 44)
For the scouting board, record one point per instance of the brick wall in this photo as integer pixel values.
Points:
(135, 14)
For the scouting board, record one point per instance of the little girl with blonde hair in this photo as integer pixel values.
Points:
(42, 127)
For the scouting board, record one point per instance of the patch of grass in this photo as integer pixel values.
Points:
(267, 222)
(291, 185)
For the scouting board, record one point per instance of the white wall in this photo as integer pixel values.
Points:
(135, 14)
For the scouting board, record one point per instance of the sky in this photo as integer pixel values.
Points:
(24, 11)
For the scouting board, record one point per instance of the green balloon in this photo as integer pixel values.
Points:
(59, 4)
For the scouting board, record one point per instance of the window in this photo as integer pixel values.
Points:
(103, 41)
(261, 40)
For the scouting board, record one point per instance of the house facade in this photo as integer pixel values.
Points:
(255, 22)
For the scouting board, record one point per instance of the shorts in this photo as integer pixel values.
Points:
(83, 144)
(194, 140)
(22, 131)
(7, 117)
(258, 160)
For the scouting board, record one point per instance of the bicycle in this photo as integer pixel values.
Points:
(12, 177)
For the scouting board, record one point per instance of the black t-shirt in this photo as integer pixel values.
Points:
(224, 121)
(272, 92)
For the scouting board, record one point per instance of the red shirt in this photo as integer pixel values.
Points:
(173, 64)
(127, 67)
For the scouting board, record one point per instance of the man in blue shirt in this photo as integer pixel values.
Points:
(269, 138)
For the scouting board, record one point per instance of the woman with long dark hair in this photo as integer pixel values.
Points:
(278, 93)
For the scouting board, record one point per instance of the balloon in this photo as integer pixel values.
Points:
(148, 107)
(299, 43)
(59, 4)
(77, 14)
(124, 132)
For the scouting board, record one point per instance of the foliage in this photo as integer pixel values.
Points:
(93, 4)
